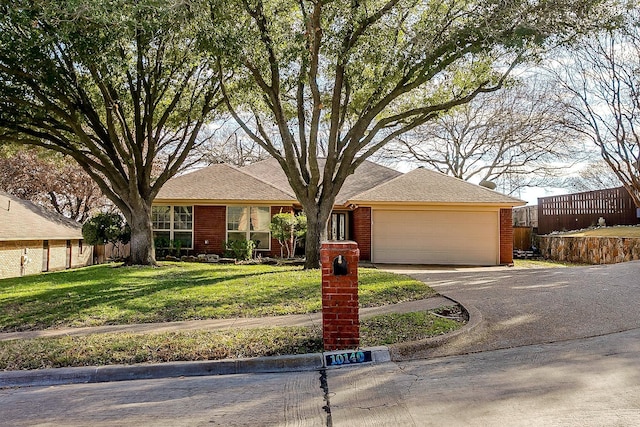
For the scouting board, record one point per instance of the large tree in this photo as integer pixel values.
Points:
(50, 180)
(514, 138)
(115, 85)
(343, 78)
(603, 95)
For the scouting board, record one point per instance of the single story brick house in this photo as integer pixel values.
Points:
(34, 240)
(419, 217)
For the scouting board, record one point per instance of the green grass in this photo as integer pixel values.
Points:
(127, 348)
(616, 231)
(110, 294)
(543, 263)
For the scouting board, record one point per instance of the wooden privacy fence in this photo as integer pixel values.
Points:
(522, 238)
(582, 210)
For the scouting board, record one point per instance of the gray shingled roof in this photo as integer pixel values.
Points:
(220, 182)
(23, 220)
(425, 186)
(366, 176)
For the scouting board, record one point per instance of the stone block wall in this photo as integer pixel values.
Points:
(590, 250)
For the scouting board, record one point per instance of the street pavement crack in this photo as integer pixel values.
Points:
(324, 385)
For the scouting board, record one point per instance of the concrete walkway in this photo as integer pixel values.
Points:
(292, 363)
(313, 320)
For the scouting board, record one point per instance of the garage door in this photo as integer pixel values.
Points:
(435, 237)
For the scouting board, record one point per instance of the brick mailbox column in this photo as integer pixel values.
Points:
(340, 317)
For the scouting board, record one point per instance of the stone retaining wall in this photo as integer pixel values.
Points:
(590, 250)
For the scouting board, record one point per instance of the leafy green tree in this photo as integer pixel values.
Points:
(323, 85)
(282, 228)
(288, 229)
(117, 85)
(106, 228)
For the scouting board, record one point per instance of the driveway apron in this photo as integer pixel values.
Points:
(535, 306)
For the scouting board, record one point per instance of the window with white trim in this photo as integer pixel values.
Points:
(250, 223)
(172, 224)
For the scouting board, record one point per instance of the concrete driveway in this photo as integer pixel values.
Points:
(534, 306)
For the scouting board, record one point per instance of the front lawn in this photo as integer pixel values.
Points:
(128, 348)
(111, 294)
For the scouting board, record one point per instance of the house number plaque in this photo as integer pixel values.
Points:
(347, 358)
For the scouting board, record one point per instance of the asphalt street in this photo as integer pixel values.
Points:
(554, 347)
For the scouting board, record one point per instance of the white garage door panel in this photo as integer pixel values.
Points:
(435, 237)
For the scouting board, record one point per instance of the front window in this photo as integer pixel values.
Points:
(249, 223)
(172, 224)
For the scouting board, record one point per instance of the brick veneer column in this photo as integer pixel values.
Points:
(506, 236)
(361, 229)
(340, 317)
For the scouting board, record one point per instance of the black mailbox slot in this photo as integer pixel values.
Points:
(340, 266)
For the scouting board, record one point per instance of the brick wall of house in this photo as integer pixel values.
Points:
(209, 229)
(58, 255)
(361, 231)
(275, 245)
(506, 236)
(11, 254)
(81, 255)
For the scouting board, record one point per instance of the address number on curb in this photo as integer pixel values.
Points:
(347, 358)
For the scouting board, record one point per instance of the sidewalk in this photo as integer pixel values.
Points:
(302, 362)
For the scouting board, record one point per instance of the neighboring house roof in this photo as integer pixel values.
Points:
(24, 220)
(366, 176)
(221, 182)
(426, 186)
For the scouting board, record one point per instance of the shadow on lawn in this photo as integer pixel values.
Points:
(101, 295)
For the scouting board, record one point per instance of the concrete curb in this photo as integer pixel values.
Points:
(98, 374)
(404, 351)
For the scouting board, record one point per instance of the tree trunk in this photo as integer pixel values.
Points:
(317, 218)
(142, 248)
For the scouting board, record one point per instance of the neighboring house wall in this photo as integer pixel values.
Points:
(506, 236)
(26, 257)
(11, 258)
(81, 255)
(58, 255)
(361, 231)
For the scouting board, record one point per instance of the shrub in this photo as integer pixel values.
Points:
(239, 249)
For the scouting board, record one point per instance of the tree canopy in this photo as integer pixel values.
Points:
(340, 79)
(602, 94)
(118, 86)
(514, 138)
